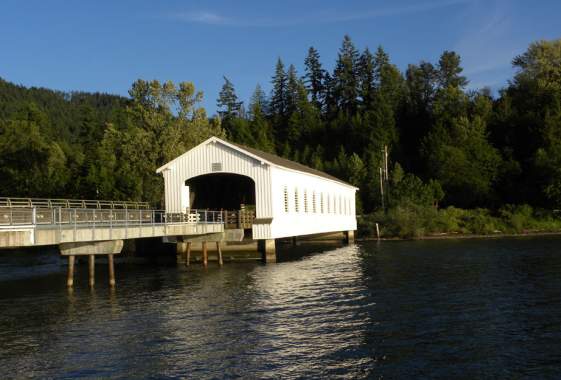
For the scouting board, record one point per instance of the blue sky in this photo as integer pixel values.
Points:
(106, 45)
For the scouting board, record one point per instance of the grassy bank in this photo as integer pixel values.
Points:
(415, 221)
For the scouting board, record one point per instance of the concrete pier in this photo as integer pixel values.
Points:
(111, 270)
(90, 249)
(268, 250)
(70, 274)
(91, 270)
(205, 254)
(219, 250)
(350, 237)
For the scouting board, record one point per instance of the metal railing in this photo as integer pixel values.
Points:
(6, 202)
(60, 217)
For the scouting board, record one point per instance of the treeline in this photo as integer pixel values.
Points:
(446, 145)
(96, 146)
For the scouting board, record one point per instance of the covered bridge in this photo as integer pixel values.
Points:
(281, 198)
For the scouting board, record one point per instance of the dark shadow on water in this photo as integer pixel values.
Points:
(287, 251)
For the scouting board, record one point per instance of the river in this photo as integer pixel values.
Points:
(419, 309)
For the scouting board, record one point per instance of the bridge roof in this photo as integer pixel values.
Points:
(267, 158)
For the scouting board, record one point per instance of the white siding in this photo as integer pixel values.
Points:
(321, 202)
(294, 223)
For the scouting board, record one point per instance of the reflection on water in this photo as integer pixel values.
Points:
(397, 309)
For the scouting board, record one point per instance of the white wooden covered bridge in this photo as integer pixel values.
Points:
(288, 199)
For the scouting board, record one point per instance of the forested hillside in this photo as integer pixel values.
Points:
(446, 145)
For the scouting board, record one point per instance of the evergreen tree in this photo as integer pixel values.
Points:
(366, 79)
(314, 78)
(345, 76)
(388, 79)
(228, 100)
(304, 121)
(258, 104)
(292, 90)
(457, 151)
(278, 105)
(449, 71)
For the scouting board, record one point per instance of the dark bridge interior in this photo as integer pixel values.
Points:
(221, 191)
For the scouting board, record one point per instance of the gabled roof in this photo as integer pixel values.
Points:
(264, 157)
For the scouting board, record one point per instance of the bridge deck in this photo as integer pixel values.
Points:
(24, 227)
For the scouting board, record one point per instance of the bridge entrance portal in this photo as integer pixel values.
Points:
(232, 193)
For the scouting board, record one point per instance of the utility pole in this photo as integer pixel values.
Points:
(382, 187)
(384, 175)
(386, 161)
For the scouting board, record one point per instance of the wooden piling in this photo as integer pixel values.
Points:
(111, 270)
(205, 254)
(70, 277)
(91, 267)
(219, 250)
(188, 254)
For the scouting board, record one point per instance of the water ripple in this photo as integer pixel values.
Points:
(393, 310)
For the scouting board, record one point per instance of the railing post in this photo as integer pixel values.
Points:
(34, 216)
(206, 216)
(93, 224)
(126, 223)
(74, 224)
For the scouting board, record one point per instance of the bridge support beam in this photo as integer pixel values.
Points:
(268, 250)
(90, 249)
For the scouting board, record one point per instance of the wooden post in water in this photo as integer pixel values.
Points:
(70, 277)
(111, 270)
(188, 255)
(219, 250)
(377, 231)
(91, 267)
(205, 254)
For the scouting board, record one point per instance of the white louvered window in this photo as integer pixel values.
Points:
(305, 200)
(314, 209)
(321, 209)
(285, 199)
(296, 201)
(340, 206)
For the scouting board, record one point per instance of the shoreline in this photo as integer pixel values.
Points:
(446, 236)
